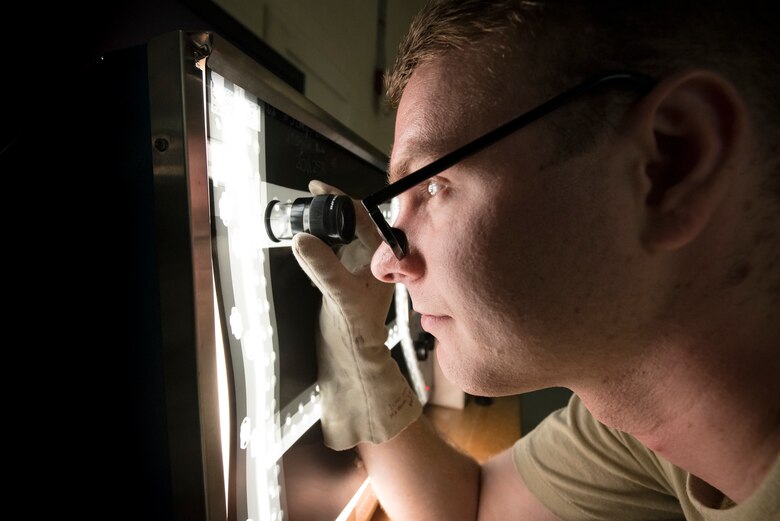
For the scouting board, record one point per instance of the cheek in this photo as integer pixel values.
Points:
(477, 283)
(480, 256)
(510, 264)
(465, 246)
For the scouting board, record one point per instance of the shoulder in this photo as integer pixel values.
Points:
(582, 469)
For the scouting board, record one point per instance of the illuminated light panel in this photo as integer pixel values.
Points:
(407, 344)
(234, 167)
(393, 335)
(299, 416)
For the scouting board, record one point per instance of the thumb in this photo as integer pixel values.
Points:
(365, 229)
(320, 264)
(317, 187)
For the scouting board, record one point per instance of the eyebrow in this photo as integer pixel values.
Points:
(423, 147)
(427, 141)
(399, 170)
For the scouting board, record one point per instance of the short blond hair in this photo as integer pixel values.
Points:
(561, 42)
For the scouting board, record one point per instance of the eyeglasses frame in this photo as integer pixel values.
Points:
(396, 238)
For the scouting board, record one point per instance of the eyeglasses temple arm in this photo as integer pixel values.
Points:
(644, 83)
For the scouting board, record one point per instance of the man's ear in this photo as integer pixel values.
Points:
(693, 131)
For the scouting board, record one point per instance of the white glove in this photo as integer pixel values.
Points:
(365, 398)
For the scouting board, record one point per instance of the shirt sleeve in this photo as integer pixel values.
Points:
(582, 470)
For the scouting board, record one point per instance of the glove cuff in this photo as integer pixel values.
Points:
(369, 402)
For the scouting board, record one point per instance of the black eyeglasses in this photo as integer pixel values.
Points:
(396, 239)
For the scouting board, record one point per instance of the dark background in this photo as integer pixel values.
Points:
(74, 426)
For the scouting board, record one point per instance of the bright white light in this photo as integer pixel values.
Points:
(236, 166)
(353, 502)
(245, 432)
(236, 324)
(222, 396)
(252, 344)
(225, 208)
(395, 209)
(407, 344)
(393, 335)
(300, 414)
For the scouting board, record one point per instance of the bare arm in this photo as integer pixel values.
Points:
(503, 494)
(419, 476)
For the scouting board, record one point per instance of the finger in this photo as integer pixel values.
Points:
(365, 229)
(320, 264)
(317, 187)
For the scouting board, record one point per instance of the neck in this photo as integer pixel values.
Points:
(710, 407)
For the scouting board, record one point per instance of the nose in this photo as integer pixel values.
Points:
(384, 264)
(386, 267)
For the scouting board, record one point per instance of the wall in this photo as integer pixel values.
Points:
(335, 44)
(537, 405)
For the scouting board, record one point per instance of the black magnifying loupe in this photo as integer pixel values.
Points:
(329, 217)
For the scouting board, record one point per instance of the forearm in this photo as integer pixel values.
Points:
(417, 475)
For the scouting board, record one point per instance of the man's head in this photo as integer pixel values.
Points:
(606, 224)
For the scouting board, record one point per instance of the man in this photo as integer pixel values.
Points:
(621, 242)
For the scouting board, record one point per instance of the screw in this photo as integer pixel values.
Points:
(161, 144)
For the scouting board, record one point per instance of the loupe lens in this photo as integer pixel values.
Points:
(277, 221)
(329, 217)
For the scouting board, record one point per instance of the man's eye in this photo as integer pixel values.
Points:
(434, 187)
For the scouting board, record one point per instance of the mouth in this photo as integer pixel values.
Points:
(432, 322)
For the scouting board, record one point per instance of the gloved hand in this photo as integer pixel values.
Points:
(365, 398)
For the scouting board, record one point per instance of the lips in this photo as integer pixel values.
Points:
(432, 322)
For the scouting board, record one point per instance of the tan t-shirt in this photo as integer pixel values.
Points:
(582, 470)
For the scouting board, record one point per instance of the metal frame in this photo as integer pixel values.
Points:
(183, 244)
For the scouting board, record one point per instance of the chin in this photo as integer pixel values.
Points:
(477, 388)
(466, 379)
(460, 372)
(474, 381)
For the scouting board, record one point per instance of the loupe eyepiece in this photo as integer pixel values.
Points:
(329, 217)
